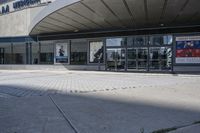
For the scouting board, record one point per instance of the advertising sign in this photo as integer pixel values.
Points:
(96, 52)
(188, 50)
(61, 53)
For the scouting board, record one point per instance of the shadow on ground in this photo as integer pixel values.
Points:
(60, 113)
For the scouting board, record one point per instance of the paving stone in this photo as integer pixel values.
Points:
(96, 102)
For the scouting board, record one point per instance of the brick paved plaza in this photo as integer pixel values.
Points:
(97, 102)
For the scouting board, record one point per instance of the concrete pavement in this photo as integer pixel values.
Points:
(41, 102)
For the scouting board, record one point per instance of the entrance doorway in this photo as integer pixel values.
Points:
(140, 53)
(137, 59)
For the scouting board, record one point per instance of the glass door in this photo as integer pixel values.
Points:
(160, 58)
(137, 58)
(142, 58)
(132, 58)
(116, 59)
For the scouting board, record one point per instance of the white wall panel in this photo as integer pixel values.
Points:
(17, 23)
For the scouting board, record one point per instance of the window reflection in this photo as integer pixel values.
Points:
(139, 40)
(78, 53)
(130, 41)
(161, 40)
(35, 53)
(157, 40)
(168, 39)
(116, 59)
(142, 53)
(19, 53)
(160, 58)
(137, 58)
(5, 53)
(115, 42)
(131, 53)
(46, 53)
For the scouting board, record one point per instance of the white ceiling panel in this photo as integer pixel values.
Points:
(154, 9)
(103, 12)
(138, 11)
(68, 21)
(78, 18)
(190, 12)
(91, 15)
(88, 14)
(57, 22)
(119, 8)
(173, 8)
(52, 27)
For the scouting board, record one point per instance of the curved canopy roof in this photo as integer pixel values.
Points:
(98, 15)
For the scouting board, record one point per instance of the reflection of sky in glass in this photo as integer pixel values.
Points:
(112, 53)
(114, 42)
(168, 39)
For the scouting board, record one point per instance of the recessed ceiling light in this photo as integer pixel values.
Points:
(76, 30)
(162, 25)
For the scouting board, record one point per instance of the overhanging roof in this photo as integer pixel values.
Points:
(71, 16)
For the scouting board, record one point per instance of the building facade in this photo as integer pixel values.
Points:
(111, 35)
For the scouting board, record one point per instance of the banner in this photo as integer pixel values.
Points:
(188, 50)
(96, 52)
(61, 53)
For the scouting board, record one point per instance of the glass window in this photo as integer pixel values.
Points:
(154, 53)
(168, 40)
(116, 58)
(160, 58)
(139, 40)
(131, 53)
(142, 58)
(78, 51)
(161, 40)
(131, 58)
(156, 40)
(142, 53)
(19, 53)
(136, 41)
(5, 53)
(115, 42)
(96, 52)
(130, 41)
(46, 53)
(154, 58)
(132, 65)
(35, 52)
(166, 58)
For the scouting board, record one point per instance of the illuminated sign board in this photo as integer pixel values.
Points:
(20, 4)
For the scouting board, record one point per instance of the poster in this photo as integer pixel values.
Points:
(96, 52)
(61, 53)
(188, 50)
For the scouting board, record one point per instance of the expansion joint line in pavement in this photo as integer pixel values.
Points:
(64, 115)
